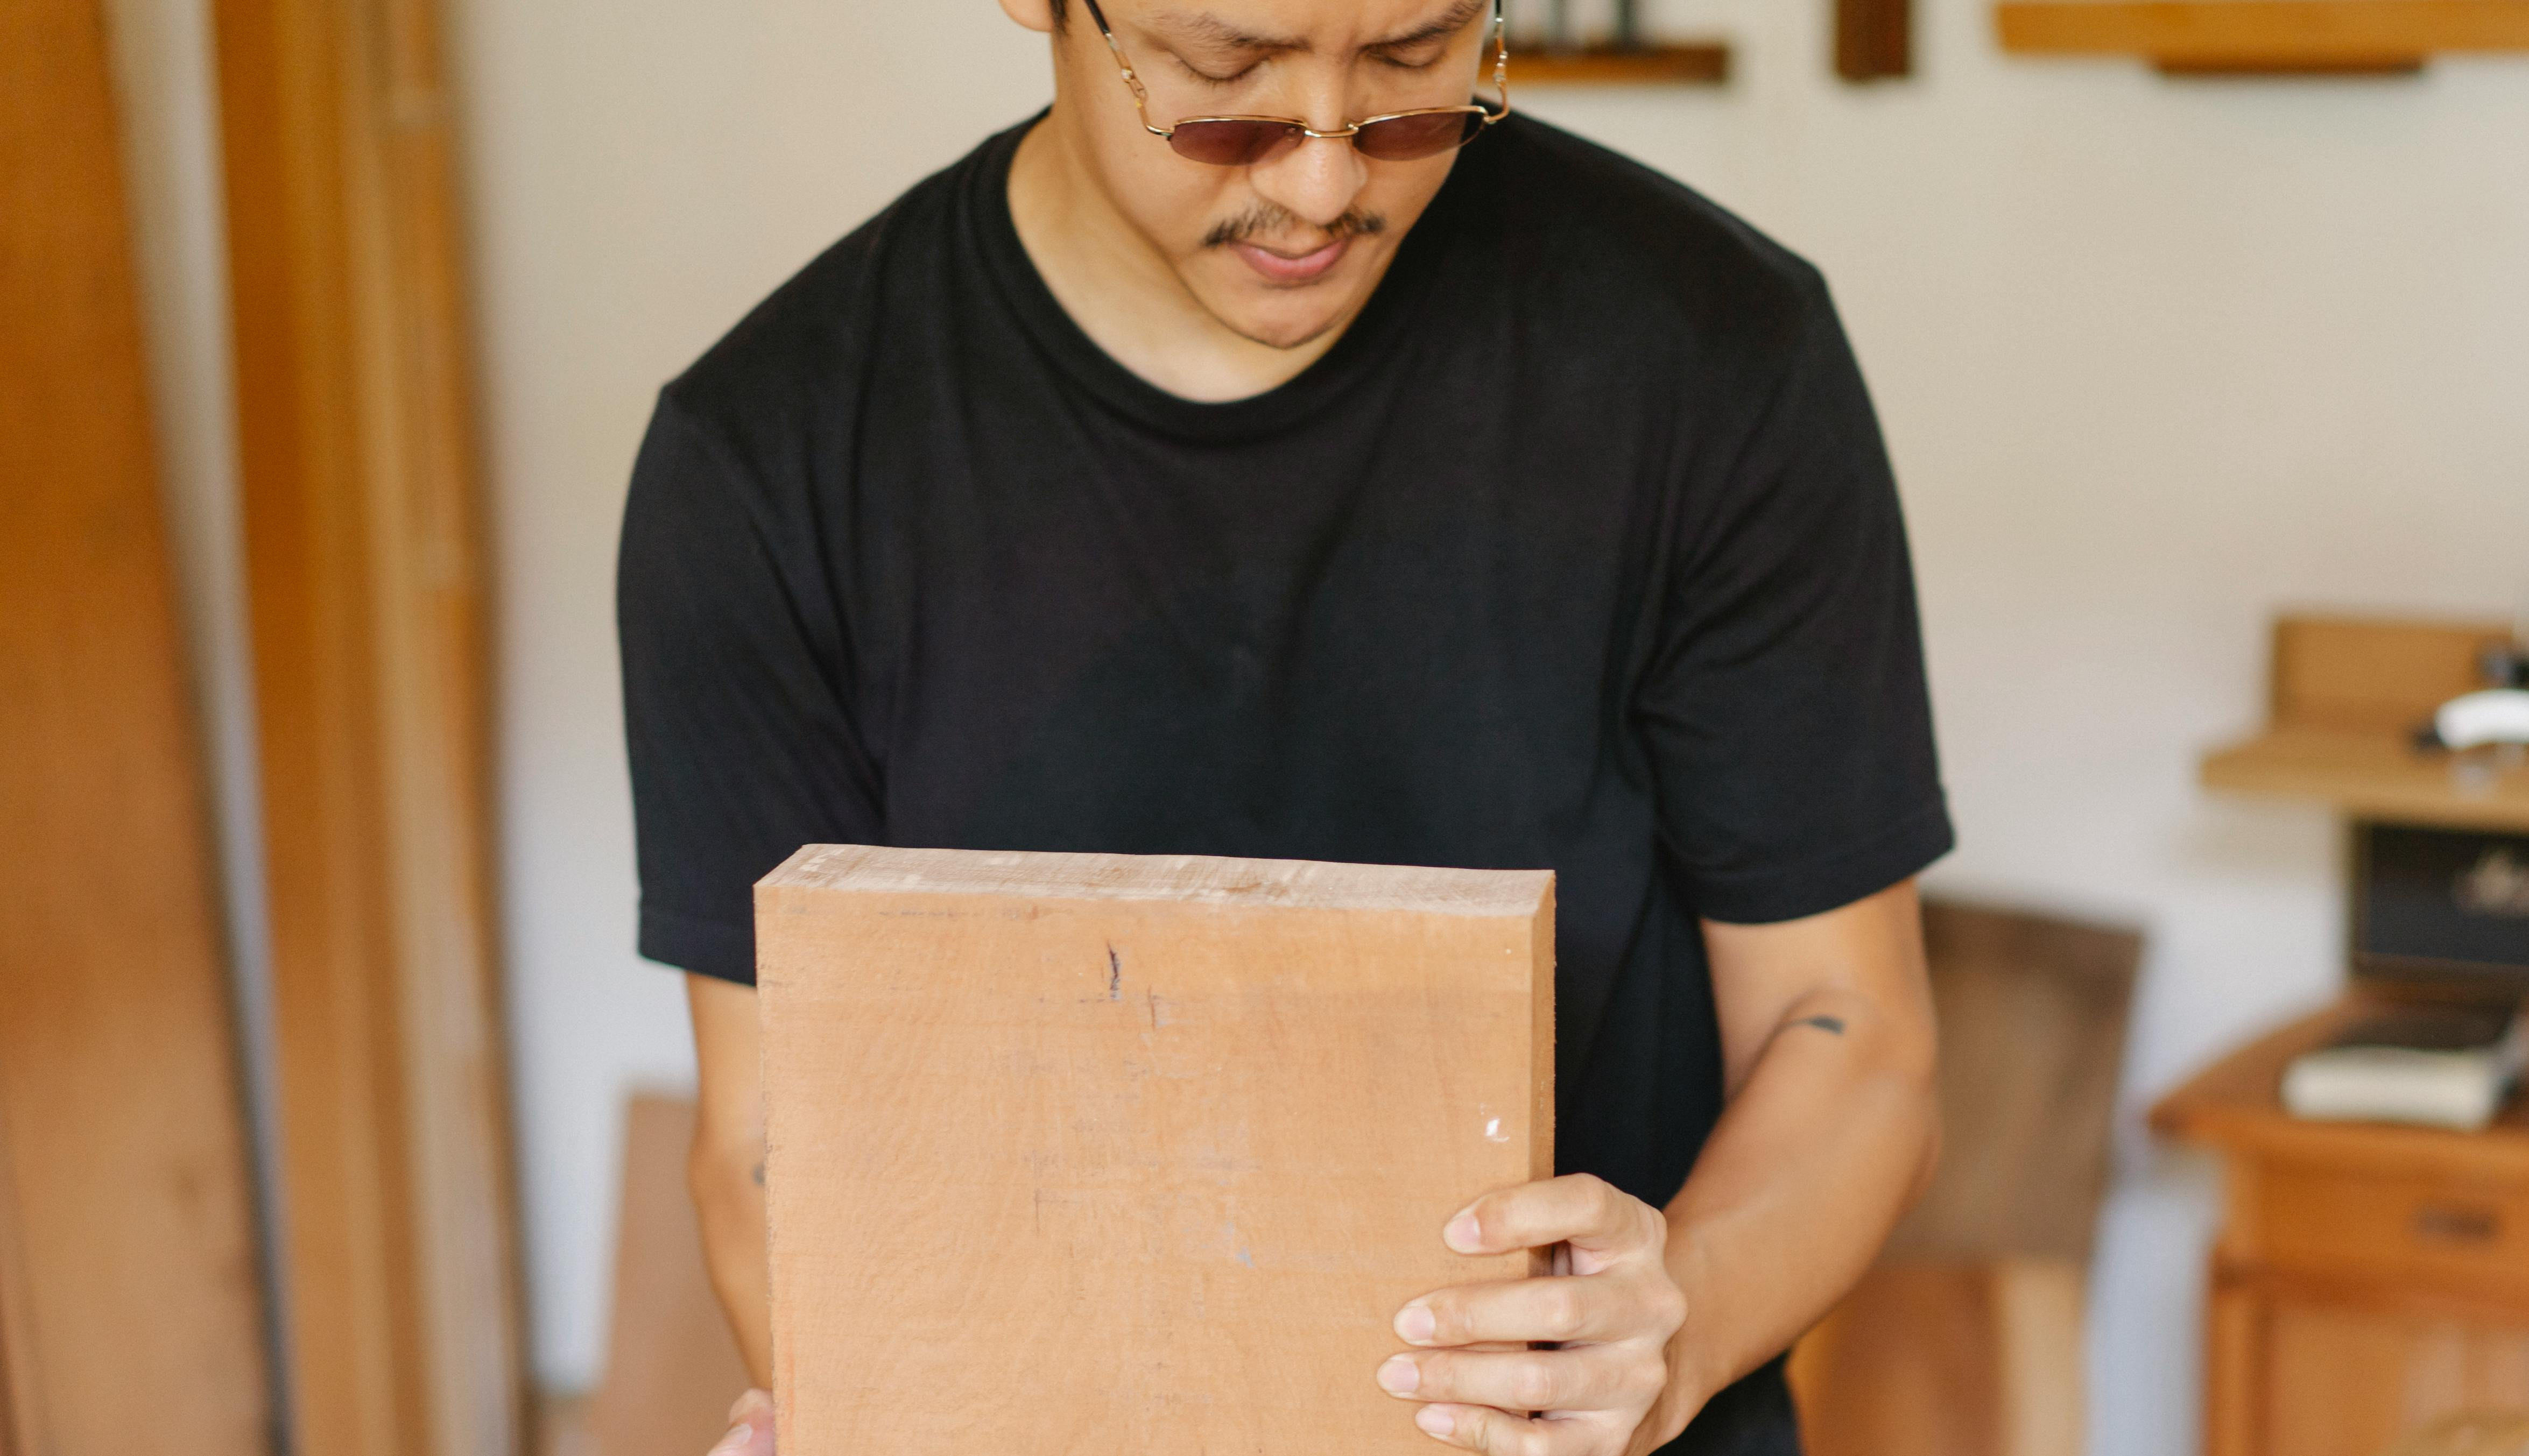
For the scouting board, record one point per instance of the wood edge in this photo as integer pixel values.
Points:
(1137, 878)
(1541, 1042)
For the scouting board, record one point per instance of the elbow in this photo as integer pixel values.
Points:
(724, 1176)
(1916, 1070)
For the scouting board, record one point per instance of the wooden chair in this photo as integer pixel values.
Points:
(1966, 1338)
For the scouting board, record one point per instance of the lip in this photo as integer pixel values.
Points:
(1308, 267)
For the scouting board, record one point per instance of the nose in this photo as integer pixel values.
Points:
(1315, 181)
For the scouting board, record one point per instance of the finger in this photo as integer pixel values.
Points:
(1597, 1307)
(1589, 1377)
(750, 1431)
(1500, 1433)
(1590, 1213)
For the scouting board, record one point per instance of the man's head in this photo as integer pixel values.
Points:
(1284, 249)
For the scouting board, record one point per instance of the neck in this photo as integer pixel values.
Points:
(1120, 289)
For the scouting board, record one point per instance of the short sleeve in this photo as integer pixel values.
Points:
(1788, 724)
(737, 718)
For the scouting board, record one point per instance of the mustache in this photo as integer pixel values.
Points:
(1267, 218)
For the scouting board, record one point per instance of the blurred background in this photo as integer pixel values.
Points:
(2160, 356)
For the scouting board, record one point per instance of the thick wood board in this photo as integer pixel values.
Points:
(1085, 1153)
(134, 1320)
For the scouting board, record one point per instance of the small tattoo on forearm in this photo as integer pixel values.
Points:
(1834, 1024)
(759, 1175)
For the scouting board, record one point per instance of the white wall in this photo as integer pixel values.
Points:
(2155, 358)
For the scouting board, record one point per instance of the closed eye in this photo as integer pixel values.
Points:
(1210, 79)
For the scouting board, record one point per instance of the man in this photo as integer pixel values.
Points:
(1395, 483)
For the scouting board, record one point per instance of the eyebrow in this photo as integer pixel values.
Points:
(1208, 29)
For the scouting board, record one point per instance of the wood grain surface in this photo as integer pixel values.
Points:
(1088, 1153)
(366, 566)
(134, 1322)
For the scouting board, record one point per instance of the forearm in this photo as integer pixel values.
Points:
(728, 1200)
(725, 1169)
(1831, 1136)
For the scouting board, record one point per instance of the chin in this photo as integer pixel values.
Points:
(1280, 329)
(1285, 318)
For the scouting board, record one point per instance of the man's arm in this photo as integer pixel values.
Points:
(1832, 1130)
(726, 1167)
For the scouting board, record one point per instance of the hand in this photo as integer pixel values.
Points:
(750, 1431)
(1610, 1318)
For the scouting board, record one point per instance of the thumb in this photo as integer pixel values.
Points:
(751, 1433)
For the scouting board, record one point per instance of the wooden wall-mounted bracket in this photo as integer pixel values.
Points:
(1683, 63)
(1875, 40)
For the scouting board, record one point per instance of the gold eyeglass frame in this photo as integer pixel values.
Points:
(1350, 129)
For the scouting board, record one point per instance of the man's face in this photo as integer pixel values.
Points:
(1284, 250)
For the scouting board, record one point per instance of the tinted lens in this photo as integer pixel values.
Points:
(1234, 143)
(1403, 139)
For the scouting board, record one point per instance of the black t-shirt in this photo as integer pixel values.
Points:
(1579, 551)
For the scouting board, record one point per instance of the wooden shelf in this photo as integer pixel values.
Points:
(2373, 776)
(2347, 696)
(1695, 63)
(2266, 37)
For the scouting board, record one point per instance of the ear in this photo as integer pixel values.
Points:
(1036, 15)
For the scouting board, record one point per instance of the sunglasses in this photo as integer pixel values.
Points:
(1397, 137)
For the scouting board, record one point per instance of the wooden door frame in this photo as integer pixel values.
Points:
(366, 584)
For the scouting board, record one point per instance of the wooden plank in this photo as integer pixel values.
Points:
(671, 1364)
(1082, 1154)
(132, 1320)
(365, 574)
(1875, 40)
(2265, 34)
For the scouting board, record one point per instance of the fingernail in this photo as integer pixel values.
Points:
(1400, 1375)
(1434, 1420)
(1464, 1234)
(1414, 1325)
(736, 1441)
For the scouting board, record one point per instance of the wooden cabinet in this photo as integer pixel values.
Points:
(2369, 1279)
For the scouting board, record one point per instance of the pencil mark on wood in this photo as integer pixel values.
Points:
(1115, 975)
